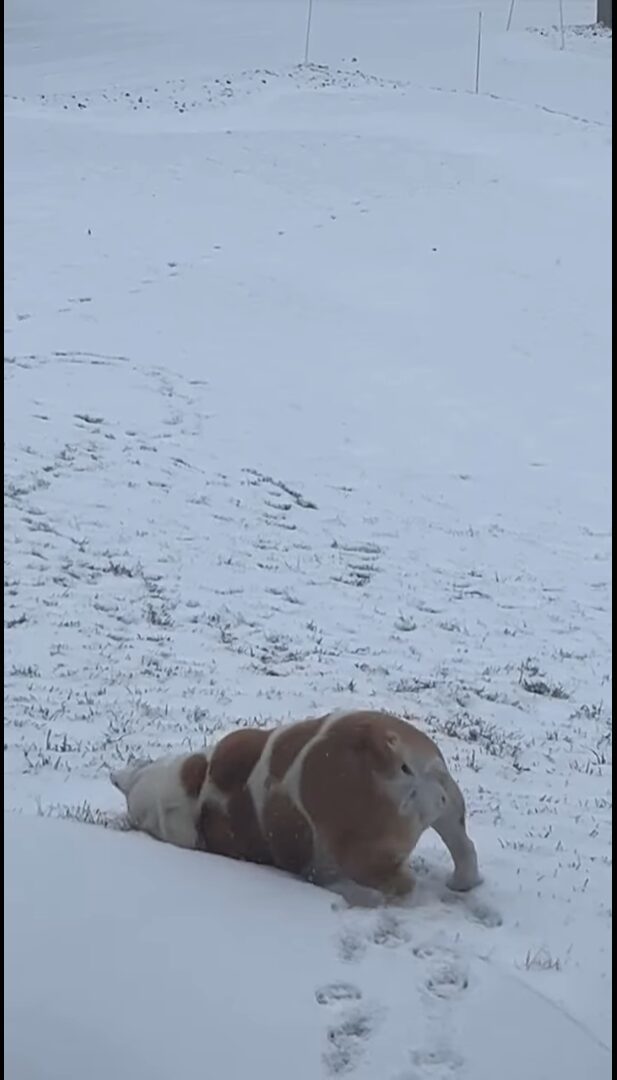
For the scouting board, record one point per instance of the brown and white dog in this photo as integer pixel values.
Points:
(344, 797)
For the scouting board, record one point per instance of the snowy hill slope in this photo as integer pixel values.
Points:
(308, 405)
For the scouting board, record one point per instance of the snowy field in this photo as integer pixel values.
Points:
(307, 376)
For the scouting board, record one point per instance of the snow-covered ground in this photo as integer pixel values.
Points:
(307, 379)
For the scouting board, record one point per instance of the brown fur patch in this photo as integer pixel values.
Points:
(289, 834)
(289, 742)
(379, 732)
(234, 758)
(377, 743)
(235, 831)
(246, 828)
(214, 831)
(416, 740)
(342, 794)
(193, 773)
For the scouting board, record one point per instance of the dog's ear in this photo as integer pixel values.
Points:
(193, 773)
(377, 745)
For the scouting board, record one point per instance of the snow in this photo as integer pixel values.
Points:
(307, 380)
(144, 965)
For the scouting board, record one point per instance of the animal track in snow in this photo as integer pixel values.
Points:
(390, 931)
(346, 1040)
(351, 945)
(478, 911)
(437, 1063)
(448, 981)
(336, 992)
(427, 950)
(352, 1023)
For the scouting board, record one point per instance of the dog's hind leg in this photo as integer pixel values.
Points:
(124, 778)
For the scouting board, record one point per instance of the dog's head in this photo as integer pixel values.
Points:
(380, 745)
(401, 768)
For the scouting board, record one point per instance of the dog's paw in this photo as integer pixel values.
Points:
(465, 881)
